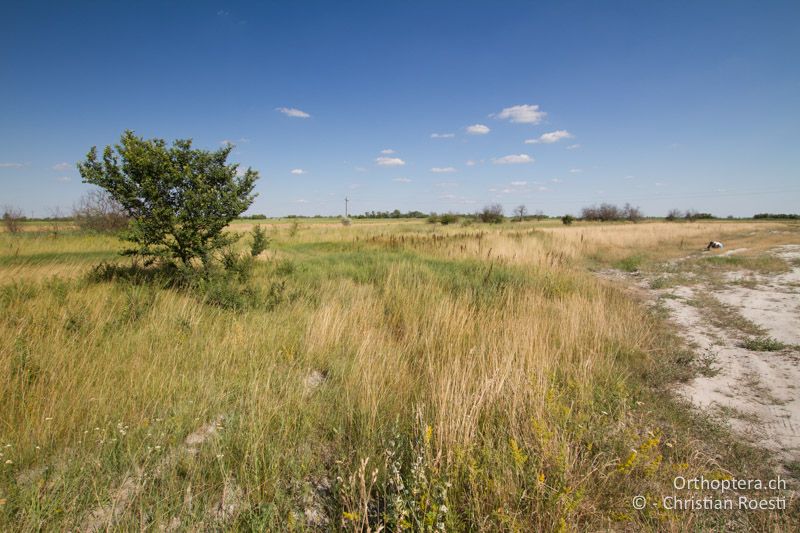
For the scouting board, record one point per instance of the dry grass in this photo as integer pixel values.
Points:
(477, 378)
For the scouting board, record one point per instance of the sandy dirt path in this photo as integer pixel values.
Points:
(756, 392)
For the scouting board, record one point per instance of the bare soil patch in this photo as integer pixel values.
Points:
(754, 390)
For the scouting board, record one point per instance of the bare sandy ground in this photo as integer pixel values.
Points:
(756, 392)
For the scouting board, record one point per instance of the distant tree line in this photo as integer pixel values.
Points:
(786, 216)
(690, 215)
(610, 212)
(392, 214)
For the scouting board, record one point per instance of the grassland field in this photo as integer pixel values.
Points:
(390, 374)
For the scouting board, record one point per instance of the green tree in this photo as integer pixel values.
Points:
(179, 199)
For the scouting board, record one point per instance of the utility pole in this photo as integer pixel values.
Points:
(346, 199)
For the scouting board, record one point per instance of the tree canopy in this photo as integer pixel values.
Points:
(179, 199)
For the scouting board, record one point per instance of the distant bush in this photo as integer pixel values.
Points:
(448, 218)
(674, 214)
(433, 218)
(97, 210)
(520, 212)
(692, 215)
(567, 220)
(346, 221)
(12, 219)
(492, 214)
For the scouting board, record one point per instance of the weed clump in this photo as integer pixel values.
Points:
(763, 344)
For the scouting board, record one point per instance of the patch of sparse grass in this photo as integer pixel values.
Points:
(707, 364)
(763, 263)
(727, 412)
(724, 316)
(763, 344)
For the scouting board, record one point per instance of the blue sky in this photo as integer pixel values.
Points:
(663, 104)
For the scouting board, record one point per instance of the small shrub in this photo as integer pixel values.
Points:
(763, 344)
(12, 219)
(674, 214)
(433, 218)
(448, 218)
(234, 263)
(98, 211)
(567, 220)
(260, 241)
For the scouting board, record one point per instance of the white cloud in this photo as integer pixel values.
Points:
(550, 137)
(523, 114)
(301, 201)
(62, 166)
(556, 180)
(575, 170)
(361, 169)
(298, 171)
(64, 178)
(471, 163)
(402, 180)
(573, 146)
(242, 140)
(519, 183)
(11, 165)
(513, 159)
(389, 161)
(442, 170)
(293, 112)
(478, 129)
(442, 135)
(388, 151)
(629, 177)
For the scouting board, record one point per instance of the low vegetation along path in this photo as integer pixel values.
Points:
(745, 328)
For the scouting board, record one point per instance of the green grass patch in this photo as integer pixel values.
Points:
(763, 344)
(631, 263)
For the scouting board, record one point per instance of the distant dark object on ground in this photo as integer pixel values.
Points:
(715, 245)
